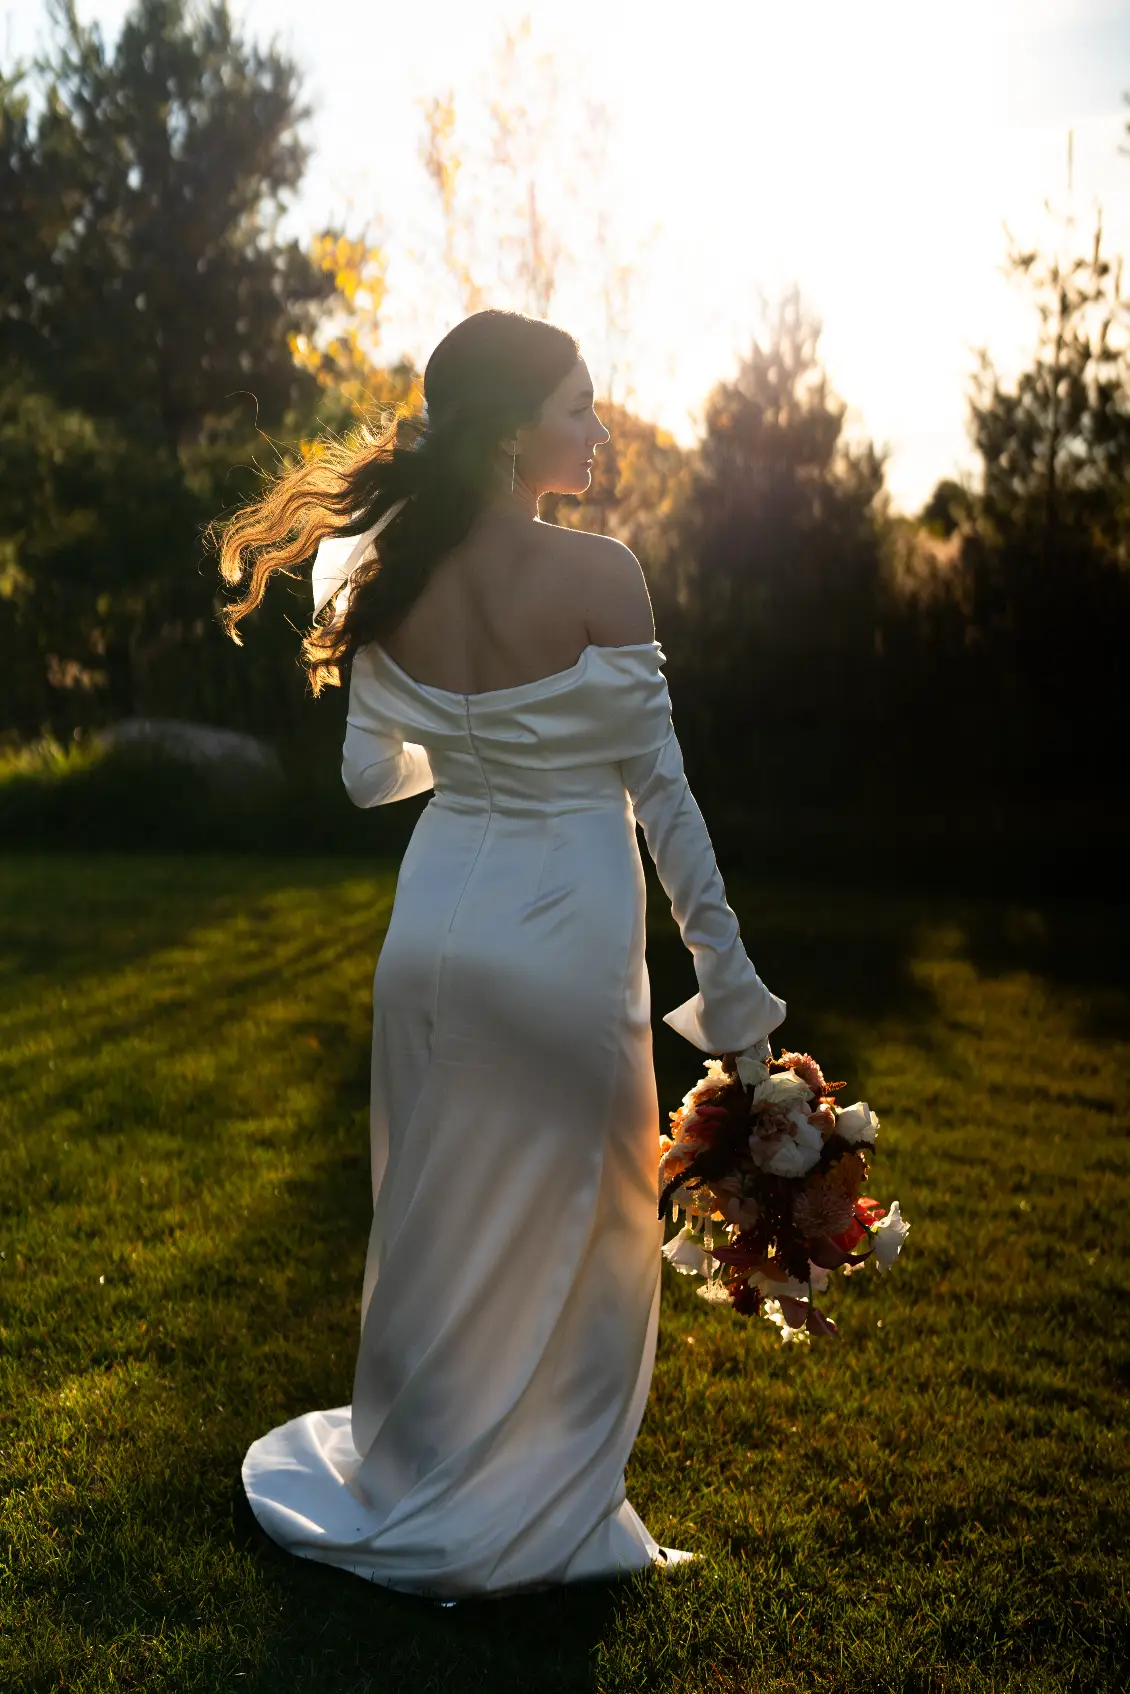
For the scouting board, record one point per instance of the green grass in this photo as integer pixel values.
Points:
(937, 1503)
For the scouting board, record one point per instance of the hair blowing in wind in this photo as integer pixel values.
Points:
(490, 374)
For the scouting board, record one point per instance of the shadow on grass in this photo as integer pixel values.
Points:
(1078, 946)
(301, 1332)
(841, 960)
(258, 1312)
(66, 914)
(520, 1643)
(197, 1004)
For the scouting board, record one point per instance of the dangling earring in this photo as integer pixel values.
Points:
(513, 464)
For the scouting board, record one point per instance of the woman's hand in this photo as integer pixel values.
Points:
(759, 1050)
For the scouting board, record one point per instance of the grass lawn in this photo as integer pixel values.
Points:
(935, 1503)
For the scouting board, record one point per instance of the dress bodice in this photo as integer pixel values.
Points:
(598, 735)
(556, 740)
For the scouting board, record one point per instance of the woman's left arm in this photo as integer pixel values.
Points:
(377, 769)
(378, 765)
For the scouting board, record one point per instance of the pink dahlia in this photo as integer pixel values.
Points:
(806, 1068)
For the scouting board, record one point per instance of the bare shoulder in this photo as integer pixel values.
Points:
(611, 590)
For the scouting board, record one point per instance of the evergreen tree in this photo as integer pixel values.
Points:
(1030, 616)
(148, 282)
(147, 309)
(775, 597)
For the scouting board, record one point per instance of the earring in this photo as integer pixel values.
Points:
(513, 464)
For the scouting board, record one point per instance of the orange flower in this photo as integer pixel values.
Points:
(866, 1211)
(825, 1120)
(869, 1210)
(848, 1175)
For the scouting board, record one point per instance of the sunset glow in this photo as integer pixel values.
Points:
(873, 154)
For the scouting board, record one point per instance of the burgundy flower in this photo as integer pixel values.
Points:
(822, 1208)
(745, 1300)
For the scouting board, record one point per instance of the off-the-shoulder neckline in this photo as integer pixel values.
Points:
(515, 687)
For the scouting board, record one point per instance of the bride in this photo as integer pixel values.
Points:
(510, 1299)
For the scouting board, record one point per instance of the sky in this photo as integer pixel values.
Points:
(880, 156)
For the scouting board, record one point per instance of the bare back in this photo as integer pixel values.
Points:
(515, 603)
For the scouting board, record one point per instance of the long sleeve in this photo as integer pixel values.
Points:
(379, 766)
(376, 769)
(733, 1009)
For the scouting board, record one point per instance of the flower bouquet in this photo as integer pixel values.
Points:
(768, 1170)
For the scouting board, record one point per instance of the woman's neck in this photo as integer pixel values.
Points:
(521, 503)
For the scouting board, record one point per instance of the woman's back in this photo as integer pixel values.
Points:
(519, 601)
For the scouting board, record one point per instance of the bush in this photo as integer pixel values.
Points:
(137, 798)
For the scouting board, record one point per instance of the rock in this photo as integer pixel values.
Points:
(220, 750)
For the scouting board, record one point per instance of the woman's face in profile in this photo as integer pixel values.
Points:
(555, 455)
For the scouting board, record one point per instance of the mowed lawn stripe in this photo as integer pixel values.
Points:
(938, 1502)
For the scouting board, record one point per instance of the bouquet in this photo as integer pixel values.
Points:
(769, 1171)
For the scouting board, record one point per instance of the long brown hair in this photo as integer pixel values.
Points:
(491, 373)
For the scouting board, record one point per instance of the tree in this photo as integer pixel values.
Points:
(497, 236)
(1044, 563)
(341, 355)
(1006, 640)
(147, 311)
(517, 229)
(778, 571)
(1056, 450)
(149, 283)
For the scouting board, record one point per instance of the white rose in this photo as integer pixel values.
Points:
(751, 1070)
(743, 1213)
(790, 1286)
(685, 1251)
(890, 1233)
(782, 1089)
(753, 1062)
(795, 1156)
(857, 1124)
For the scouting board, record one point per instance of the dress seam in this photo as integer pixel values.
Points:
(471, 869)
(609, 1098)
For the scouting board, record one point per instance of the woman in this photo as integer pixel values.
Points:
(511, 1289)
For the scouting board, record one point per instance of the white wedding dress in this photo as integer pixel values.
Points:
(511, 1291)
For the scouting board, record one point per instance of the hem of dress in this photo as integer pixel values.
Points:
(449, 1596)
(444, 1594)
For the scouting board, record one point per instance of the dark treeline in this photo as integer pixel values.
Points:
(145, 366)
(826, 654)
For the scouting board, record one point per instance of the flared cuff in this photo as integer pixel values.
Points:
(723, 1028)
